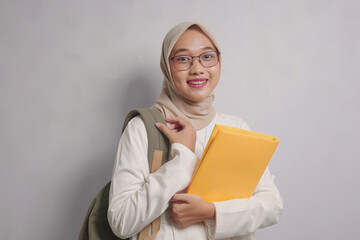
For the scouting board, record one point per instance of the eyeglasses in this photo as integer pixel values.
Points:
(206, 59)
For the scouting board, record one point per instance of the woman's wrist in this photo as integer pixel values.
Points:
(210, 213)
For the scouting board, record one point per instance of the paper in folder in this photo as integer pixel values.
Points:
(232, 164)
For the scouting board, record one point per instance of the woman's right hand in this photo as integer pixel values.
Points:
(179, 131)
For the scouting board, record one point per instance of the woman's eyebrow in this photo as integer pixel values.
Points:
(180, 50)
(185, 49)
(208, 48)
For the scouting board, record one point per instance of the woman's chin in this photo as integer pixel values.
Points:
(197, 97)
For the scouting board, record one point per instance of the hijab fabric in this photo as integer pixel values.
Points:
(171, 103)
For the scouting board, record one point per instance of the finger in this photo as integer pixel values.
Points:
(173, 201)
(173, 126)
(164, 129)
(180, 197)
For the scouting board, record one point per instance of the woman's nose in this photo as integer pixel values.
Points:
(196, 67)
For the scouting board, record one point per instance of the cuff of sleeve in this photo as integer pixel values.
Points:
(224, 218)
(215, 228)
(210, 228)
(219, 230)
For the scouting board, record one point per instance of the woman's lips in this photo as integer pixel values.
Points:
(197, 82)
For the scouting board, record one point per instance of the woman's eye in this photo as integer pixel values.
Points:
(208, 56)
(182, 59)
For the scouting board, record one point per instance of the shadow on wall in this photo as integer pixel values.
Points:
(140, 91)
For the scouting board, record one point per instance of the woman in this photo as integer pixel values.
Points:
(191, 65)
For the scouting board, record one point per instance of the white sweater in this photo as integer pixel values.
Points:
(138, 197)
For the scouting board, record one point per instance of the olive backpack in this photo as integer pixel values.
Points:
(95, 225)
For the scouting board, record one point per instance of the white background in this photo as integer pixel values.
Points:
(70, 71)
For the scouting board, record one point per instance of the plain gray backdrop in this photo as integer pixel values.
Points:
(70, 71)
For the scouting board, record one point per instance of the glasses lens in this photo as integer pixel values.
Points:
(182, 62)
(209, 59)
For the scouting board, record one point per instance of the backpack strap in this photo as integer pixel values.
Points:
(156, 140)
(95, 225)
(158, 151)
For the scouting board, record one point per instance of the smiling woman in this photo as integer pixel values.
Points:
(194, 79)
(191, 65)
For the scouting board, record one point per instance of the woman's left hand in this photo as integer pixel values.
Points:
(187, 209)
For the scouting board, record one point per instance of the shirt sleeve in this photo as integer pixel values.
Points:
(137, 197)
(239, 217)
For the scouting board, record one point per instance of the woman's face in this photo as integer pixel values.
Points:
(198, 82)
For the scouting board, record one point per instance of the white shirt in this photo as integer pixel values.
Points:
(137, 197)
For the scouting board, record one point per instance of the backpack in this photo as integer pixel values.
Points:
(95, 225)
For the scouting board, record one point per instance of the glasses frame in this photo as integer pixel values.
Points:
(192, 60)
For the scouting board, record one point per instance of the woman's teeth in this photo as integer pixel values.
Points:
(196, 82)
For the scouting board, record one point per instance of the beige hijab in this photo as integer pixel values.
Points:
(170, 102)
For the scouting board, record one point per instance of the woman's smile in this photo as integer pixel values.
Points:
(197, 82)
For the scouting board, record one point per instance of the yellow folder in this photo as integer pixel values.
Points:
(232, 164)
